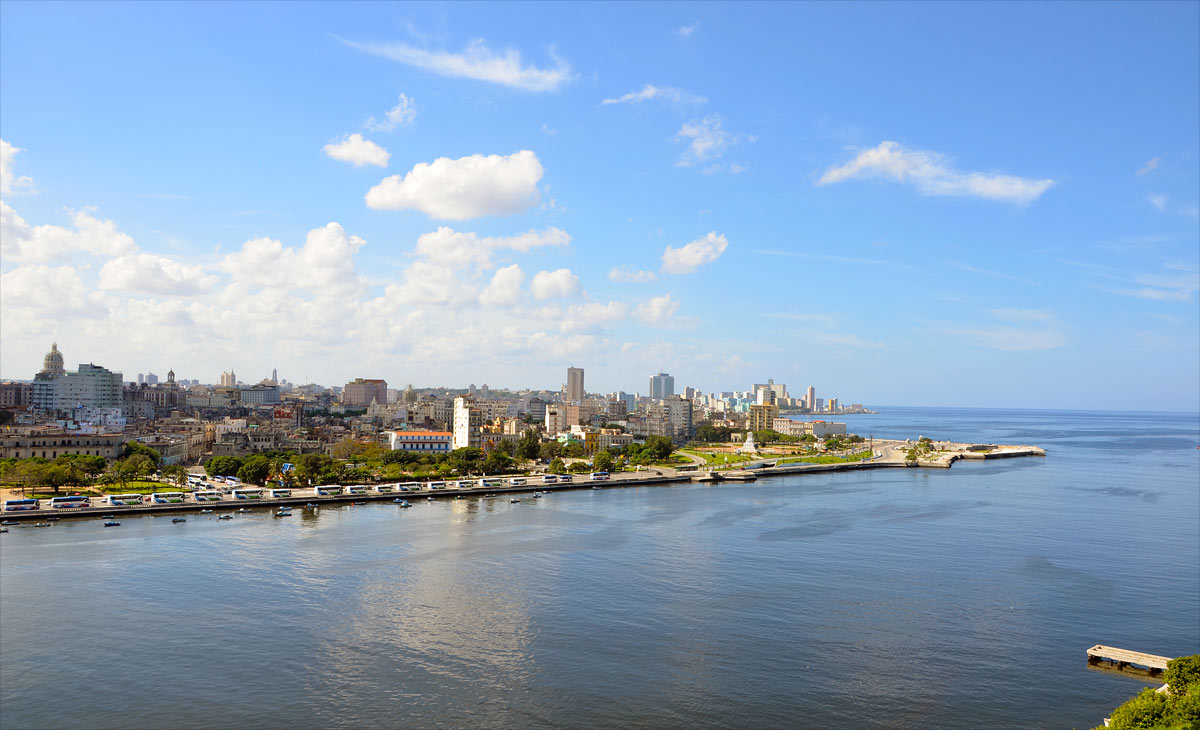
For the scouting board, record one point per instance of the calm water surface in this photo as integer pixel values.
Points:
(907, 598)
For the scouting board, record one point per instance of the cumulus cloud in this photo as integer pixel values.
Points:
(657, 311)
(620, 273)
(649, 91)
(153, 274)
(357, 151)
(554, 284)
(463, 249)
(430, 283)
(40, 292)
(9, 182)
(931, 174)
(505, 288)
(401, 115)
(323, 265)
(687, 30)
(21, 242)
(469, 187)
(688, 258)
(477, 62)
(707, 140)
(1150, 166)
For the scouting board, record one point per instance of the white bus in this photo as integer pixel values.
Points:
(517, 481)
(357, 489)
(207, 495)
(167, 497)
(549, 478)
(490, 483)
(75, 502)
(464, 484)
(599, 476)
(123, 500)
(384, 488)
(329, 490)
(410, 487)
(11, 505)
(280, 493)
(437, 485)
(218, 478)
(247, 494)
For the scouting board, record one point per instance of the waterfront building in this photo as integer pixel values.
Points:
(820, 429)
(53, 443)
(15, 395)
(468, 422)
(55, 389)
(361, 392)
(661, 386)
(425, 442)
(761, 416)
(574, 393)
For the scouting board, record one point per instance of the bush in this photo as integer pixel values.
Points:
(1179, 710)
(1183, 674)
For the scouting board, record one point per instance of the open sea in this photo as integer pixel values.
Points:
(894, 598)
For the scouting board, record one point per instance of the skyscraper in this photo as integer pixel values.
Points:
(662, 386)
(811, 399)
(574, 385)
(274, 375)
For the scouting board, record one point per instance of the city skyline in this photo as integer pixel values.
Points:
(453, 194)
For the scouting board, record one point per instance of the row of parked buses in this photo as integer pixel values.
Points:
(251, 493)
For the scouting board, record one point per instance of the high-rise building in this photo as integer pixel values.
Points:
(274, 375)
(91, 386)
(361, 392)
(662, 386)
(151, 379)
(229, 380)
(810, 399)
(574, 385)
(467, 424)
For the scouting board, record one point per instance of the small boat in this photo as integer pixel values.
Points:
(53, 519)
(537, 496)
(110, 523)
(225, 517)
(206, 512)
(243, 510)
(3, 529)
(310, 505)
(358, 504)
(513, 500)
(459, 496)
(283, 513)
(9, 523)
(397, 500)
(178, 519)
(430, 498)
(108, 517)
(41, 524)
(595, 487)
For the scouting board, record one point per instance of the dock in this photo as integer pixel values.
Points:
(1124, 659)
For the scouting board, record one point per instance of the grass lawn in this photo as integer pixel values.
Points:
(718, 458)
(828, 459)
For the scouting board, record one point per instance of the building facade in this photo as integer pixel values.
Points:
(53, 444)
(575, 390)
(423, 442)
(662, 386)
(360, 392)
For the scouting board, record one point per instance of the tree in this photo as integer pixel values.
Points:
(550, 450)
(140, 464)
(529, 446)
(580, 467)
(603, 461)
(223, 466)
(574, 450)
(255, 469)
(709, 433)
(659, 447)
(557, 466)
(176, 473)
(134, 448)
(497, 462)
(1183, 674)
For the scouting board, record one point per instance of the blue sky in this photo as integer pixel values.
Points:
(937, 204)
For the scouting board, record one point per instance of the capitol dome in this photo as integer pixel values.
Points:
(53, 362)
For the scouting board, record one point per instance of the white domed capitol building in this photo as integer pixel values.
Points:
(91, 386)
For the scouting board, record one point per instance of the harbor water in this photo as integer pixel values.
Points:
(899, 598)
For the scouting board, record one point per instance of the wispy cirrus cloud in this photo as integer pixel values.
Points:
(707, 140)
(1149, 167)
(620, 273)
(994, 274)
(476, 61)
(1016, 330)
(931, 174)
(1178, 287)
(664, 93)
(401, 115)
(1158, 201)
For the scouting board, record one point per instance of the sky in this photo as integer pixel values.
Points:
(967, 204)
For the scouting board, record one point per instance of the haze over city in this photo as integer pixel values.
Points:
(454, 194)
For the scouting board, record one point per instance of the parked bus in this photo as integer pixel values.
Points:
(410, 487)
(123, 500)
(247, 494)
(687, 467)
(549, 479)
(207, 495)
(12, 505)
(565, 478)
(329, 490)
(217, 478)
(167, 497)
(357, 489)
(75, 502)
(384, 488)
(464, 484)
(280, 493)
(599, 476)
(517, 481)
(490, 483)
(437, 485)
(233, 481)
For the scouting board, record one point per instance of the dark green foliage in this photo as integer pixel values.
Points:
(529, 446)
(1183, 674)
(223, 466)
(1178, 710)
(255, 469)
(136, 447)
(557, 466)
(709, 433)
(603, 461)
(574, 450)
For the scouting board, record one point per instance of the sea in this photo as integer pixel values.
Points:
(891, 598)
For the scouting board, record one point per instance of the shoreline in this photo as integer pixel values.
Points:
(881, 460)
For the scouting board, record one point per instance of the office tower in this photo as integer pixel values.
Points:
(662, 386)
(574, 385)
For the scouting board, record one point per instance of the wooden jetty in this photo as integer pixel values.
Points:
(1123, 659)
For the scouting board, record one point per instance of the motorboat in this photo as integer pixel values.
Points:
(178, 519)
(513, 500)
(243, 510)
(9, 523)
(225, 517)
(206, 512)
(110, 523)
(283, 513)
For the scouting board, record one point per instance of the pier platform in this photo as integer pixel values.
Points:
(1124, 659)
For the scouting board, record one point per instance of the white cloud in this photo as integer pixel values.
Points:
(505, 289)
(145, 272)
(463, 249)
(1025, 329)
(657, 311)
(1158, 201)
(1150, 166)
(649, 91)
(430, 283)
(9, 183)
(21, 242)
(323, 265)
(708, 140)
(357, 151)
(687, 30)
(1164, 288)
(478, 62)
(931, 175)
(619, 273)
(554, 284)
(401, 115)
(41, 292)
(469, 187)
(688, 258)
